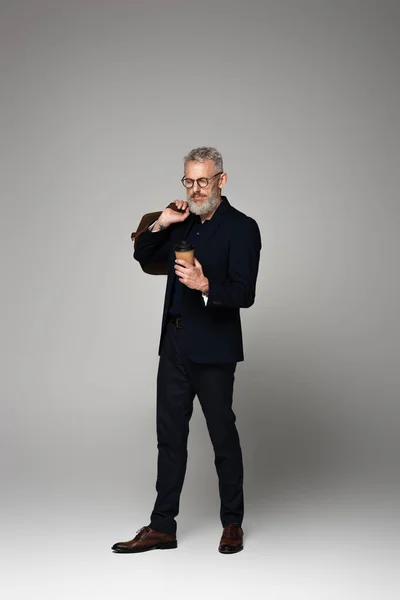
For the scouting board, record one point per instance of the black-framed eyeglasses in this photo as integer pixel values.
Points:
(202, 182)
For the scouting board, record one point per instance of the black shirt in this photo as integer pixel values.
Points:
(195, 237)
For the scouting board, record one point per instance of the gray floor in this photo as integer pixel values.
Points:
(322, 544)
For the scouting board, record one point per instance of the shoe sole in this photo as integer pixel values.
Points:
(161, 546)
(230, 551)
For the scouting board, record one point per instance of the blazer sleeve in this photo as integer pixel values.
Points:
(153, 247)
(239, 288)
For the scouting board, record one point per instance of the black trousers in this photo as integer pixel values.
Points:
(179, 380)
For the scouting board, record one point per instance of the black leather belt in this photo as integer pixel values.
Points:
(177, 321)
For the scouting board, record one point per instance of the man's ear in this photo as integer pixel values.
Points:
(223, 180)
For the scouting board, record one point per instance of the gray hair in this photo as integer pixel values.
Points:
(206, 153)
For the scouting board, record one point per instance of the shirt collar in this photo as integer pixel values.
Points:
(197, 218)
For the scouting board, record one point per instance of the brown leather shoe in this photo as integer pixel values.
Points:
(232, 539)
(147, 539)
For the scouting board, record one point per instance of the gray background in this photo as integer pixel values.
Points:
(100, 101)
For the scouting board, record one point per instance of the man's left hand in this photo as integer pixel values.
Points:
(191, 275)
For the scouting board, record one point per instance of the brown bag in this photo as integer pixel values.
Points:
(158, 268)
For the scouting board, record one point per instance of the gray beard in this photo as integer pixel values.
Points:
(205, 207)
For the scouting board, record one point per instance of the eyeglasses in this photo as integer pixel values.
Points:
(202, 182)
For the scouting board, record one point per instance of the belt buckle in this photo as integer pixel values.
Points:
(178, 323)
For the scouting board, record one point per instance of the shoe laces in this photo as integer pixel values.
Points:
(140, 531)
(231, 531)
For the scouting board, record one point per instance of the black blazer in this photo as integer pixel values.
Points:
(230, 257)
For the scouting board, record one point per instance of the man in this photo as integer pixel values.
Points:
(200, 343)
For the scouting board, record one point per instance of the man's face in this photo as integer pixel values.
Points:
(202, 201)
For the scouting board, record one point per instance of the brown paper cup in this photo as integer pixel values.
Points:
(187, 255)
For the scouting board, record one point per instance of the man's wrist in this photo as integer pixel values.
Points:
(204, 287)
(158, 226)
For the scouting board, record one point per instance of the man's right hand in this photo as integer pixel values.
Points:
(170, 216)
